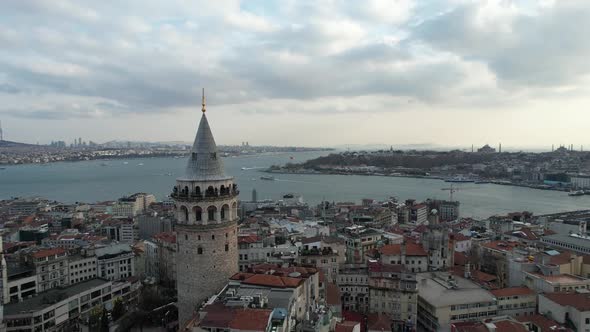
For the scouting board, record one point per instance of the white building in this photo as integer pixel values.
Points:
(516, 301)
(115, 261)
(70, 304)
(82, 268)
(567, 307)
(580, 181)
(444, 299)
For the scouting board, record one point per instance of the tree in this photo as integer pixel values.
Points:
(104, 321)
(118, 309)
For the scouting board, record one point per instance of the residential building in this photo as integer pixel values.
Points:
(516, 301)
(51, 268)
(409, 254)
(82, 268)
(444, 299)
(60, 309)
(353, 281)
(115, 261)
(359, 242)
(393, 291)
(572, 308)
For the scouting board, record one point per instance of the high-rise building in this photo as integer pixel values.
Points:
(206, 209)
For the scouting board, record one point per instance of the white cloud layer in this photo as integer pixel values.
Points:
(446, 62)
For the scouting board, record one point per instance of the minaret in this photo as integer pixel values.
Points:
(206, 204)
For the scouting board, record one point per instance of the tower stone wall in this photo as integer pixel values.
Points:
(206, 205)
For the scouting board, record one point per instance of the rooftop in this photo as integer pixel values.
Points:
(204, 163)
(580, 301)
(512, 291)
(50, 297)
(436, 289)
(412, 249)
(543, 323)
(49, 252)
(559, 278)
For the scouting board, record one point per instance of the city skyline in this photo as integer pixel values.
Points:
(302, 73)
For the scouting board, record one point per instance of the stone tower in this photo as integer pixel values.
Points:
(207, 213)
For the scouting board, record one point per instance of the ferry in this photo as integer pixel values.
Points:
(270, 178)
(577, 193)
(460, 179)
(140, 164)
(125, 163)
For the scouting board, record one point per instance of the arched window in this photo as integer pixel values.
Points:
(199, 250)
(185, 191)
(212, 236)
(198, 191)
(210, 191)
(199, 237)
(198, 213)
(211, 213)
(224, 213)
(226, 247)
(222, 190)
(186, 237)
(183, 213)
(234, 210)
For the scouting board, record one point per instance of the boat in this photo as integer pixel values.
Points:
(125, 163)
(104, 164)
(2, 168)
(270, 178)
(481, 181)
(459, 178)
(576, 193)
(140, 164)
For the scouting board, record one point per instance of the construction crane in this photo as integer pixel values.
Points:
(453, 190)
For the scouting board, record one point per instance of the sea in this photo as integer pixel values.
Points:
(100, 180)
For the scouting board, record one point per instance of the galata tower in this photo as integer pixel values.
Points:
(207, 212)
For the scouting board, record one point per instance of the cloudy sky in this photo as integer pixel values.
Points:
(446, 72)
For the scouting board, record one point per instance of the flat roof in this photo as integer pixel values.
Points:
(436, 291)
(51, 297)
(568, 239)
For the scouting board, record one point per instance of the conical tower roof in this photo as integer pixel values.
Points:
(204, 163)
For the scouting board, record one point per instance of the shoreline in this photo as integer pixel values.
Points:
(140, 156)
(495, 182)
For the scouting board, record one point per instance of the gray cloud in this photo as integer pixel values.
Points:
(156, 61)
(545, 48)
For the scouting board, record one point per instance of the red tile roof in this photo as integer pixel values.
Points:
(252, 238)
(458, 237)
(346, 326)
(272, 281)
(543, 323)
(379, 322)
(563, 258)
(460, 258)
(250, 319)
(333, 295)
(579, 301)
(512, 291)
(501, 245)
(49, 252)
(169, 237)
(412, 249)
(510, 326)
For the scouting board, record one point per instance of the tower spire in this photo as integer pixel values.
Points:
(203, 109)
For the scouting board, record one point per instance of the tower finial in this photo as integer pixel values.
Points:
(203, 109)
